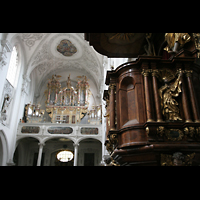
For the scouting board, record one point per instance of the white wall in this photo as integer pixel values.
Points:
(17, 104)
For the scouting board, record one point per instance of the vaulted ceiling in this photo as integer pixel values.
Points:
(45, 54)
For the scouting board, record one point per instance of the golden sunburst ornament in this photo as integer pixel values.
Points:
(122, 36)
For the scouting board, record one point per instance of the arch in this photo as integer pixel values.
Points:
(90, 137)
(53, 145)
(90, 151)
(23, 137)
(54, 137)
(22, 150)
(22, 60)
(3, 149)
(127, 83)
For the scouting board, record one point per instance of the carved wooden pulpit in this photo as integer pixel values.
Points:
(153, 111)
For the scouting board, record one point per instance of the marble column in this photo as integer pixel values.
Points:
(41, 145)
(75, 154)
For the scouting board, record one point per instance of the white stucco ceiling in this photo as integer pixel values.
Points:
(42, 57)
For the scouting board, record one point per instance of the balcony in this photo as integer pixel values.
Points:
(45, 131)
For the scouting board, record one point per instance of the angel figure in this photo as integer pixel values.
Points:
(169, 105)
(176, 41)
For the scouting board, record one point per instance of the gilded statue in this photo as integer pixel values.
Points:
(68, 82)
(176, 41)
(167, 93)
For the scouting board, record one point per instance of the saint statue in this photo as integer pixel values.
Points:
(6, 103)
(167, 93)
(176, 41)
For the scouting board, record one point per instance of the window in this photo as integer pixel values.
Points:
(65, 156)
(13, 66)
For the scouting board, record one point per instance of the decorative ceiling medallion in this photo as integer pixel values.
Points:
(66, 48)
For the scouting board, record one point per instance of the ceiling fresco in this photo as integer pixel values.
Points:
(66, 48)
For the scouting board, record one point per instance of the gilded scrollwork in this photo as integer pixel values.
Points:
(161, 130)
(109, 146)
(171, 134)
(111, 142)
(111, 87)
(174, 134)
(177, 159)
(192, 131)
(177, 134)
(111, 162)
(113, 139)
(197, 131)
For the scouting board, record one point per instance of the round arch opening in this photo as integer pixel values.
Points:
(59, 151)
(90, 152)
(27, 147)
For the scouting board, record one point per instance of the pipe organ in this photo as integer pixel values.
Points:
(33, 113)
(70, 104)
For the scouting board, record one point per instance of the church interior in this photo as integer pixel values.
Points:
(99, 99)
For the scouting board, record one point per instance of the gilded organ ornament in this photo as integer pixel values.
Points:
(33, 113)
(70, 104)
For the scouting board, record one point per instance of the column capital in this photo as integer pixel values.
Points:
(41, 144)
(188, 73)
(155, 72)
(112, 86)
(145, 72)
(76, 145)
